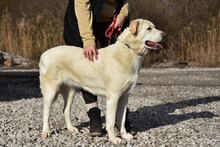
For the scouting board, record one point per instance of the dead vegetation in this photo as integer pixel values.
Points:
(28, 27)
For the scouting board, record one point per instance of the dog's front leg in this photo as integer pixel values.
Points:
(121, 116)
(111, 106)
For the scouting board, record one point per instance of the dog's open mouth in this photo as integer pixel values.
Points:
(153, 45)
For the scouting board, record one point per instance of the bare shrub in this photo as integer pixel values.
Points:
(28, 37)
(29, 27)
(192, 27)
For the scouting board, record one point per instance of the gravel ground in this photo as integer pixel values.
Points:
(162, 113)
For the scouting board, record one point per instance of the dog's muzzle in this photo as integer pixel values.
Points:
(156, 45)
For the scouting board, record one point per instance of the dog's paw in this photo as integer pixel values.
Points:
(115, 140)
(73, 130)
(127, 136)
(45, 135)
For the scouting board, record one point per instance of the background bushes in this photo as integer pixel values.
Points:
(28, 27)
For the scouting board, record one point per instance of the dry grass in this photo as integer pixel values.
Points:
(192, 25)
(28, 37)
(201, 44)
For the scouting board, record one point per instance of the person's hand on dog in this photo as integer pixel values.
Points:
(91, 52)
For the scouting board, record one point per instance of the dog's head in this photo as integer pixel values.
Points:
(142, 36)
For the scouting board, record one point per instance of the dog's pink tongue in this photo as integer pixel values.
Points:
(158, 45)
(153, 44)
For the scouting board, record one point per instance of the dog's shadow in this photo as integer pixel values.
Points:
(148, 117)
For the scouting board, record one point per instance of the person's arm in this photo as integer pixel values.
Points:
(124, 11)
(84, 18)
(122, 15)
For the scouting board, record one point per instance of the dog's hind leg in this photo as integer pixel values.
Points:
(49, 91)
(111, 106)
(121, 116)
(68, 96)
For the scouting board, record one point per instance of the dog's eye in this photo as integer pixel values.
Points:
(149, 28)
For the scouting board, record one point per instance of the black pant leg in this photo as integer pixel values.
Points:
(72, 37)
(99, 32)
(71, 30)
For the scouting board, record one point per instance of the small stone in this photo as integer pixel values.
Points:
(2, 59)
(9, 62)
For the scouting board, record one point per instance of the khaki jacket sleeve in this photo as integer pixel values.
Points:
(85, 19)
(124, 11)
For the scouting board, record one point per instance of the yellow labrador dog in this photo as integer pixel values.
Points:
(64, 69)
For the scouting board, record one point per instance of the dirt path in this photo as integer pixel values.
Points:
(169, 107)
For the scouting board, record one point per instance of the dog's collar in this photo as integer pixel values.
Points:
(129, 47)
(125, 44)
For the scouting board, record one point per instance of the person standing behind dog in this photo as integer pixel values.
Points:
(85, 24)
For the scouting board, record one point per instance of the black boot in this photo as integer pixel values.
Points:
(95, 122)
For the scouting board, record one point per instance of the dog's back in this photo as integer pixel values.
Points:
(67, 65)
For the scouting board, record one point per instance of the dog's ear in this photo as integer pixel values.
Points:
(133, 27)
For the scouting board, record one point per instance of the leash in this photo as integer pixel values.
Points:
(112, 32)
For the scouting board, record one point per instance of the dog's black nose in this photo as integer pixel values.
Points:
(164, 36)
